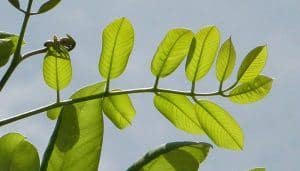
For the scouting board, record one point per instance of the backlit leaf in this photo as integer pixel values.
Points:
(17, 154)
(117, 44)
(176, 156)
(253, 64)
(226, 60)
(8, 44)
(57, 69)
(119, 110)
(202, 53)
(171, 51)
(251, 91)
(258, 169)
(77, 139)
(179, 110)
(221, 128)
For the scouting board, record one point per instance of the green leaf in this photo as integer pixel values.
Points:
(8, 44)
(15, 3)
(171, 51)
(253, 64)
(176, 156)
(77, 139)
(251, 91)
(226, 60)
(47, 6)
(258, 169)
(221, 128)
(54, 113)
(17, 154)
(57, 69)
(117, 44)
(179, 110)
(119, 110)
(202, 53)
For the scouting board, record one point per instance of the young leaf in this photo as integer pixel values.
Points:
(17, 154)
(57, 69)
(202, 53)
(119, 110)
(175, 156)
(47, 6)
(15, 3)
(117, 44)
(179, 110)
(226, 60)
(258, 169)
(171, 51)
(77, 139)
(222, 129)
(253, 64)
(251, 91)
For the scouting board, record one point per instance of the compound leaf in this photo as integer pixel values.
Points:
(175, 156)
(171, 51)
(222, 129)
(179, 110)
(253, 64)
(117, 44)
(47, 6)
(251, 91)
(17, 154)
(77, 139)
(119, 110)
(202, 53)
(225, 60)
(57, 69)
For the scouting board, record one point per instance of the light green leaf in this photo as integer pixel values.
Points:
(119, 110)
(54, 113)
(47, 6)
(117, 44)
(258, 169)
(226, 60)
(15, 3)
(253, 64)
(176, 156)
(17, 154)
(179, 110)
(221, 128)
(77, 139)
(57, 69)
(171, 51)
(202, 53)
(251, 91)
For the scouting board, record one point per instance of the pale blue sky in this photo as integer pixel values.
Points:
(271, 126)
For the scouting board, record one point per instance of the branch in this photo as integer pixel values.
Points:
(98, 96)
(17, 55)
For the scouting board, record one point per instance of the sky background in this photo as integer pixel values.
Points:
(271, 126)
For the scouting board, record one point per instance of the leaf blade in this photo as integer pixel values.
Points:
(251, 91)
(175, 156)
(47, 6)
(253, 64)
(179, 110)
(171, 51)
(202, 53)
(222, 129)
(65, 150)
(17, 154)
(57, 69)
(119, 110)
(117, 44)
(225, 60)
